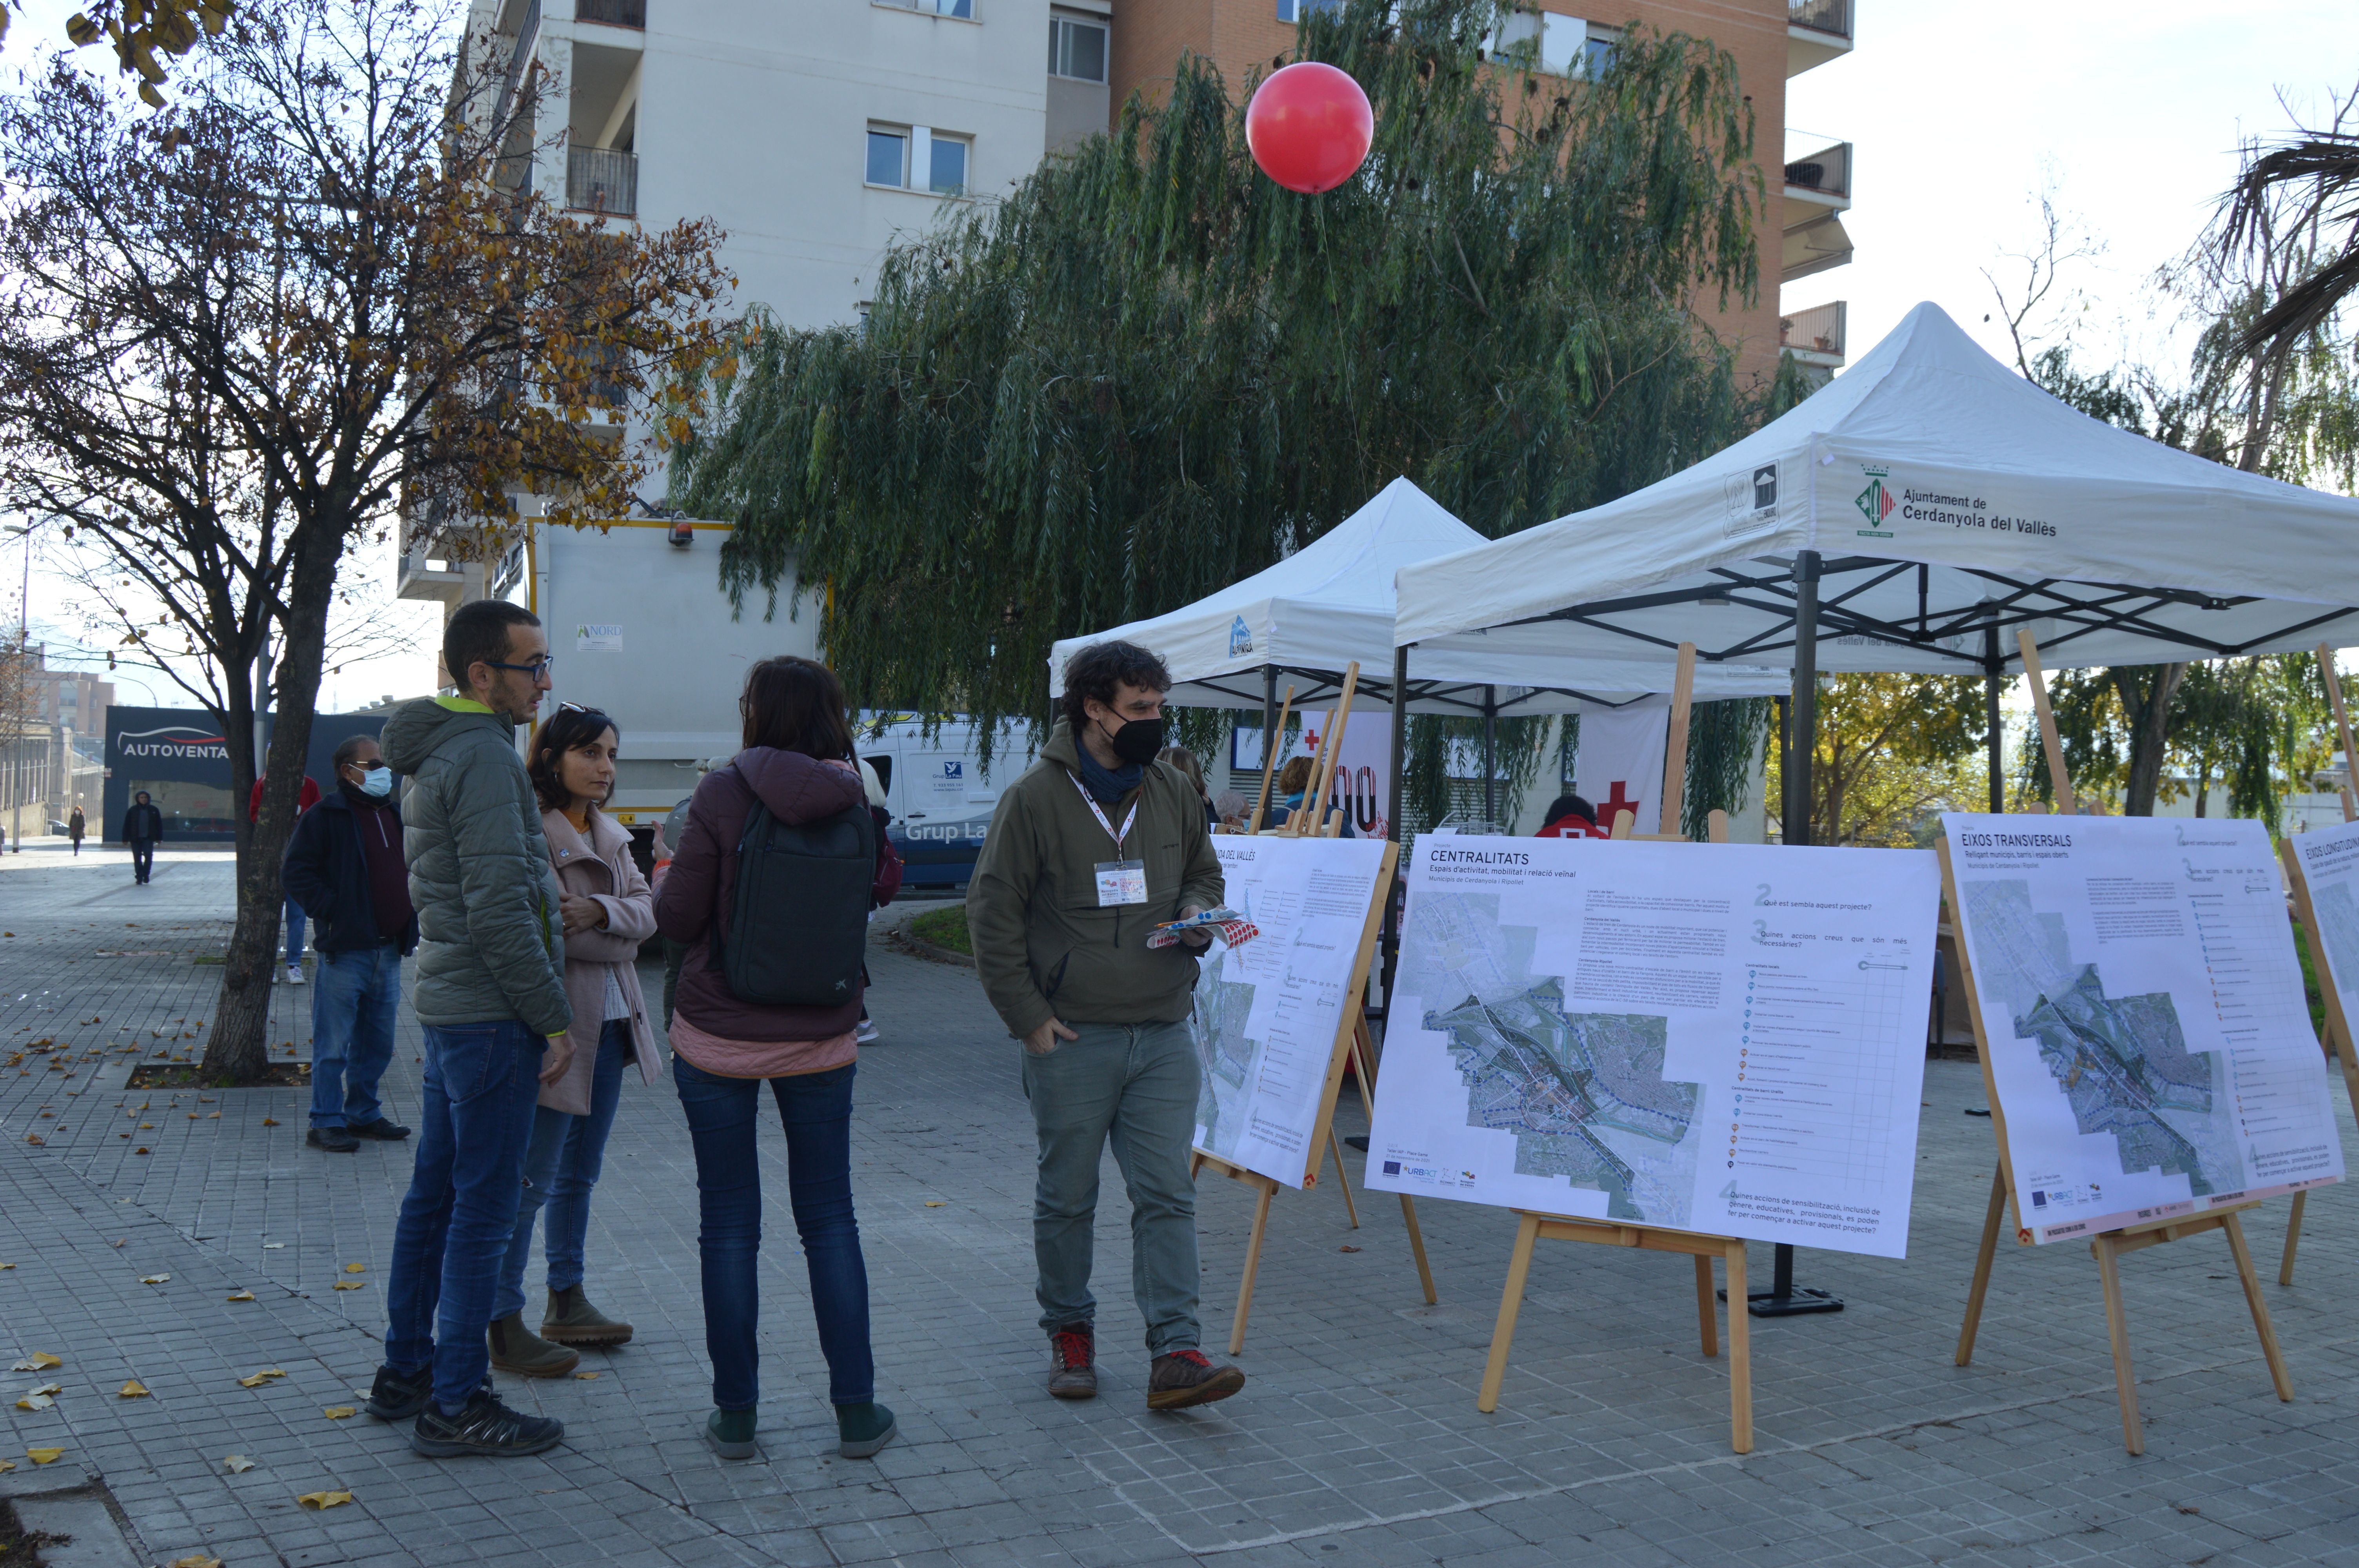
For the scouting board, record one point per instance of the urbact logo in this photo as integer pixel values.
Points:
(173, 740)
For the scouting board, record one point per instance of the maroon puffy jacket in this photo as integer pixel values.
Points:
(702, 884)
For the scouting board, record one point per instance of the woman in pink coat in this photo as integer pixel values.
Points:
(608, 911)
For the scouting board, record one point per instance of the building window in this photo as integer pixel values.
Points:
(948, 175)
(1562, 45)
(889, 157)
(962, 9)
(919, 158)
(1077, 49)
(1294, 10)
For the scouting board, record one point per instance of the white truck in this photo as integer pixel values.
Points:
(640, 629)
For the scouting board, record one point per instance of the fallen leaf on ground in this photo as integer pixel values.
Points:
(937, 1203)
(325, 1499)
(240, 1296)
(355, 1268)
(39, 1398)
(351, 1284)
(155, 1278)
(6, 1464)
(45, 1455)
(237, 1464)
(133, 1389)
(273, 1247)
(585, 1377)
(195, 1559)
(7, 1265)
(147, 1127)
(261, 1377)
(141, 1150)
(38, 1361)
(338, 1413)
(269, 1122)
(34, 1138)
(1347, 1250)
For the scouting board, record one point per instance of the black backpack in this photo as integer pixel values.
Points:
(799, 925)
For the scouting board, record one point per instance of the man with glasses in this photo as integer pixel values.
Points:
(491, 994)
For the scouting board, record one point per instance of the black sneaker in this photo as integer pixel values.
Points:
(334, 1140)
(398, 1395)
(381, 1129)
(1183, 1379)
(485, 1427)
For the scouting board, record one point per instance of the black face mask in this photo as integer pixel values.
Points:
(1138, 740)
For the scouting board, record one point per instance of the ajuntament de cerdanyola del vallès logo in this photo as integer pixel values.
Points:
(1945, 509)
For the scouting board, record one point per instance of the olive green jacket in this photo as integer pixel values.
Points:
(1042, 945)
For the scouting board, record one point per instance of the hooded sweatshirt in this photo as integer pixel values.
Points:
(1043, 945)
(702, 886)
(492, 943)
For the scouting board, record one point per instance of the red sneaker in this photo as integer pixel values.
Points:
(1185, 1377)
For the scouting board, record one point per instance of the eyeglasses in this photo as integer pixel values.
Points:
(536, 669)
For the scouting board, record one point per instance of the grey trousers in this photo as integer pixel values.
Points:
(1136, 1086)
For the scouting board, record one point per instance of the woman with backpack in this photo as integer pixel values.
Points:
(607, 910)
(786, 813)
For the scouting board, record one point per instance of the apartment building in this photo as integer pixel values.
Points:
(49, 753)
(1806, 176)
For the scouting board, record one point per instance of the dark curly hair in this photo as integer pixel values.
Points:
(567, 730)
(1096, 670)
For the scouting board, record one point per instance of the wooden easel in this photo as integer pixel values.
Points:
(2107, 1247)
(1535, 1226)
(1351, 1046)
(2336, 1038)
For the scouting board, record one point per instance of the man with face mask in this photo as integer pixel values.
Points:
(1095, 845)
(344, 869)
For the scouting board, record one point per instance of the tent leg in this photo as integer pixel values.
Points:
(1393, 816)
(1490, 753)
(1268, 710)
(1994, 742)
(1803, 748)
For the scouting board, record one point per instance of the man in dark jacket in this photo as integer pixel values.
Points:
(491, 994)
(143, 826)
(1096, 844)
(344, 869)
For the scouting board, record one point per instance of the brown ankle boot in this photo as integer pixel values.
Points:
(516, 1348)
(572, 1320)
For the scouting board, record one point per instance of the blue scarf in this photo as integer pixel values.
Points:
(1106, 784)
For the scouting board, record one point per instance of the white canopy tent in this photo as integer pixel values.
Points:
(1912, 516)
(1302, 621)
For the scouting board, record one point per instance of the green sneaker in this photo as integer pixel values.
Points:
(863, 1429)
(731, 1433)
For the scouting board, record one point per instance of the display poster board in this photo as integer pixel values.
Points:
(1269, 1015)
(2330, 864)
(1725, 1039)
(2148, 1043)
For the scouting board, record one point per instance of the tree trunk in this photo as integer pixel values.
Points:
(2149, 719)
(2202, 786)
(238, 1051)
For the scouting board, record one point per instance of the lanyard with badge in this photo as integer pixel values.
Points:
(1119, 881)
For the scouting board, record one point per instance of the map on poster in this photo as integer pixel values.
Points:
(2149, 1046)
(1575, 1024)
(1266, 1015)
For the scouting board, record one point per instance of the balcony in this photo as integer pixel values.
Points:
(630, 14)
(1814, 337)
(519, 57)
(1817, 186)
(1820, 177)
(603, 179)
(1816, 32)
(418, 578)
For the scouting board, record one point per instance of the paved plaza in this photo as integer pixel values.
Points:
(136, 1216)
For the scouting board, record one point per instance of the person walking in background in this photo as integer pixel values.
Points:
(142, 828)
(76, 825)
(305, 799)
(344, 869)
(796, 766)
(491, 993)
(1095, 845)
(608, 911)
(1191, 770)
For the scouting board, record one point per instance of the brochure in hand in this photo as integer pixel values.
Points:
(1227, 923)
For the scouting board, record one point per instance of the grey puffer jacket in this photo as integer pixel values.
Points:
(492, 943)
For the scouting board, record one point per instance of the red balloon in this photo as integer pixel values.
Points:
(1310, 126)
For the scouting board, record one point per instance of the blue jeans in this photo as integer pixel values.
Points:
(351, 1034)
(816, 1108)
(476, 1115)
(560, 1165)
(294, 932)
(1135, 1086)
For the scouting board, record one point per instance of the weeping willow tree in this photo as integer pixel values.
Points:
(1148, 371)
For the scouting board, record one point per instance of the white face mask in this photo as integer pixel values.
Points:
(376, 783)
